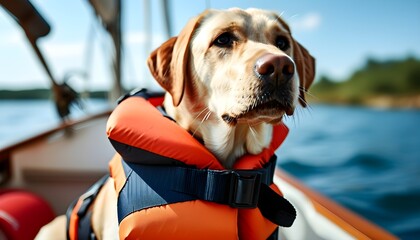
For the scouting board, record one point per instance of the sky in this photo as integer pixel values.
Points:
(341, 35)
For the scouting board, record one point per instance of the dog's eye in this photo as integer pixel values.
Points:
(282, 43)
(224, 40)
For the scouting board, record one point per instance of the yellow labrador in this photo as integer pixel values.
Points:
(230, 76)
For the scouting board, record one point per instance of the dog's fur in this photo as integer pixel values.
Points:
(230, 76)
(214, 92)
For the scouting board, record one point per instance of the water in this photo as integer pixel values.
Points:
(366, 159)
(22, 118)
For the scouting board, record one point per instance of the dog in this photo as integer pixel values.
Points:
(230, 76)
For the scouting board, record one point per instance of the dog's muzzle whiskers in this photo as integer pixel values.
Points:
(253, 132)
(202, 111)
(205, 118)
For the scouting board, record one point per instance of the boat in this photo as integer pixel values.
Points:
(56, 166)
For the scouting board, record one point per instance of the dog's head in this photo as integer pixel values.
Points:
(242, 65)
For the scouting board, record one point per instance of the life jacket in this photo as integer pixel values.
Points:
(170, 186)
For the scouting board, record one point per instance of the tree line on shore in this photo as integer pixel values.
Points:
(396, 82)
(41, 93)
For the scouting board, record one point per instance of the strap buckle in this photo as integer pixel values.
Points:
(244, 189)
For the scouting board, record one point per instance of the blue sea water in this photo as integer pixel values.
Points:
(366, 159)
(22, 118)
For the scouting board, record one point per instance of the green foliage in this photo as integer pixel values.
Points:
(391, 78)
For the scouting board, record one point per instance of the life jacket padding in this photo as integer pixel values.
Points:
(136, 126)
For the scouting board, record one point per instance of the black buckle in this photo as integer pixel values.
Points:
(244, 189)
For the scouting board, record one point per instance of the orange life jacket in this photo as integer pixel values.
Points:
(171, 187)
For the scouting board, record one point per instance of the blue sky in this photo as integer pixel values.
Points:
(339, 34)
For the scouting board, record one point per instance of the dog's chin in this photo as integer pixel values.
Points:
(271, 112)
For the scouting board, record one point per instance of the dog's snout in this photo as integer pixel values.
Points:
(275, 67)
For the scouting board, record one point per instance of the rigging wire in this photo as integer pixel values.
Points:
(89, 50)
(130, 66)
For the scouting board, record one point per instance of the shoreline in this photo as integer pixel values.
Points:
(384, 102)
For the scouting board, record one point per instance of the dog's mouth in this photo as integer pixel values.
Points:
(271, 110)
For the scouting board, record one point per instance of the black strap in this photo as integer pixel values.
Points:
(85, 230)
(274, 235)
(84, 213)
(276, 208)
(141, 92)
(155, 185)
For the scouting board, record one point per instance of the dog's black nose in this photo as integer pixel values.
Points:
(275, 67)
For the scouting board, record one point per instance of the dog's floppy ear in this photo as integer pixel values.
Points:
(305, 65)
(169, 63)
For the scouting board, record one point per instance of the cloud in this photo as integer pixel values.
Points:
(64, 50)
(140, 38)
(308, 22)
(14, 38)
(135, 37)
